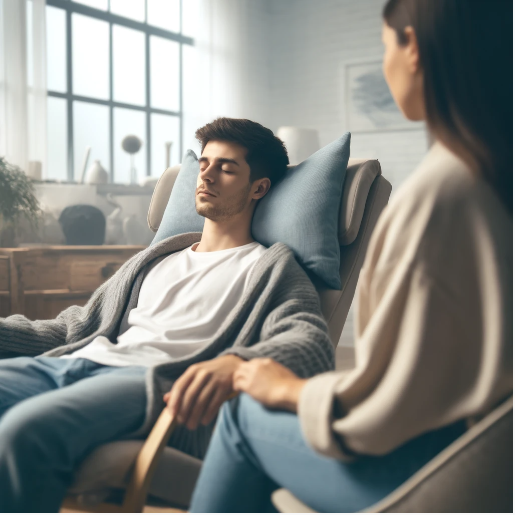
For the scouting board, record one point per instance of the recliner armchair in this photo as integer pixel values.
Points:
(472, 475)
(167, 474)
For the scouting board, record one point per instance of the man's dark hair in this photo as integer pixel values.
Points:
(266, 153)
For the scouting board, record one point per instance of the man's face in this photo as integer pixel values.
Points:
(223, 185)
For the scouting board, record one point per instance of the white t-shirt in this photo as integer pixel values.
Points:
(182, 302)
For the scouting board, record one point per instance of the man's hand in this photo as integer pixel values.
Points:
(197, 395)
(270, 383)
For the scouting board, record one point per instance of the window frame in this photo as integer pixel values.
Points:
(70, 7)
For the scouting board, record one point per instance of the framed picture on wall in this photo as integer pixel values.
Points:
(367, 104)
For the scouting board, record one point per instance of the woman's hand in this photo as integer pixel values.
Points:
(270, 383)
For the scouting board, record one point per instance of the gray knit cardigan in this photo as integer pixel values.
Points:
(278, 316)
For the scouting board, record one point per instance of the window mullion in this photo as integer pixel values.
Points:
(147, 84)
(111, 110)
(180, 17)
(69, 103)
(181, 117)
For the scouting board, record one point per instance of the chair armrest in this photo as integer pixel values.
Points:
(474, 474)
(286, 502)
(146, 463)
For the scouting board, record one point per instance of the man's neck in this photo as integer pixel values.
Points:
(224, 235)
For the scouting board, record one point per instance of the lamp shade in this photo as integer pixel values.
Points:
(300, 143)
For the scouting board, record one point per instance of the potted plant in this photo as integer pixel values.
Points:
(18, 202)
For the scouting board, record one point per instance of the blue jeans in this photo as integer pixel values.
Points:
(254, 450)
(53, 413)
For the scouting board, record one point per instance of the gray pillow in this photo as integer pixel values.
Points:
(301, 211)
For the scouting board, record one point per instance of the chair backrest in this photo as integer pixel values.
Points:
(365, 194)
(473, 475)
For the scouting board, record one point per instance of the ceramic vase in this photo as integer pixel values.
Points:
(96, 174)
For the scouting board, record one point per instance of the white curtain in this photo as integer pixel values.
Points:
(23, 99)
(223, 72)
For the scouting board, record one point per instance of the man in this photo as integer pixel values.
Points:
(172, 325)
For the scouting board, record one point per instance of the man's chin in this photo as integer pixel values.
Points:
(204, 210)
(211, 214)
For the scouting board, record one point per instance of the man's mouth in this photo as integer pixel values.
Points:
(205, 192)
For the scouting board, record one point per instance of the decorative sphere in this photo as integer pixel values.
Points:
(131, 144)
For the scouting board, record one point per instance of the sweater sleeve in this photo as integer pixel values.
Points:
(423, 364)
(294, 332)
(20, 336)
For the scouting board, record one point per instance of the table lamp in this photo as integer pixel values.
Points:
(300, 143)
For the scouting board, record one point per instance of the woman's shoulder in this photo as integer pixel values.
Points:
(444, 189)
(439, 210)
(440, 180)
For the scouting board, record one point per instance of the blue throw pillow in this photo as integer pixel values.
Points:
(301, 211)
(180, 215)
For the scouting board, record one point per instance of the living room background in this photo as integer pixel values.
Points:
(282, 63)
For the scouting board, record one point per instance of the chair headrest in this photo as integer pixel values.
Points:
(361, 173)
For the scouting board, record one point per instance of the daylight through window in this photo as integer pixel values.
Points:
(114, 69)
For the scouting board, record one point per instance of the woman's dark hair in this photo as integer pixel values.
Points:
(466, 54)
(266, 154)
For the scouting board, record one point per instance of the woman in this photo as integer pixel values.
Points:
(434, 300)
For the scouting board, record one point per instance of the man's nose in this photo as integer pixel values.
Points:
(207, 175)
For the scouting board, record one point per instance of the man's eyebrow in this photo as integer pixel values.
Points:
(220, 160)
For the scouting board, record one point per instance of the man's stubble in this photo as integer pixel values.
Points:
(224, 212)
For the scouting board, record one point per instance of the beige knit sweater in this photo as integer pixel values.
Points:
(434, 323)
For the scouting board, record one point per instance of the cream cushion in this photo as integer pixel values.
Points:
(109, 466)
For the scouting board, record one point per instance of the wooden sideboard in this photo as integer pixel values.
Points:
(39, 282)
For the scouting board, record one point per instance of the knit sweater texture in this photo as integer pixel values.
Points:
(278, 316)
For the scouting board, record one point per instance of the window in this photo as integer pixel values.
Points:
(114, 68)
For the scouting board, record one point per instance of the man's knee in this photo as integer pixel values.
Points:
(26, 430)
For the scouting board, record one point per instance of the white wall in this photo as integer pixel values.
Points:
(311, 40)
(227, 72)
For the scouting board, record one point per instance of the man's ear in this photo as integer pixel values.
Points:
(260, 188)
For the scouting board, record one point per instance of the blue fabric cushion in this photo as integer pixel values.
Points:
(180, 215)
(301, 211)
